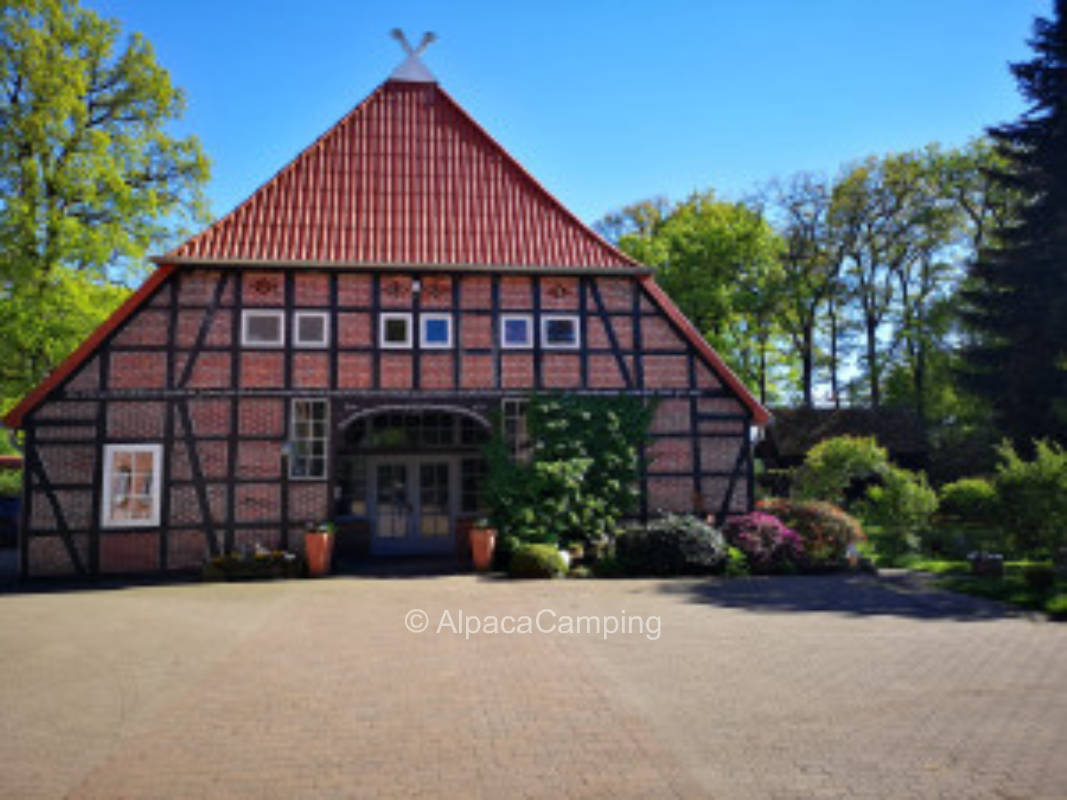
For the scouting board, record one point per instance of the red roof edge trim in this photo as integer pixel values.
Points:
(760, 415)
(551, 197)
(13, 419)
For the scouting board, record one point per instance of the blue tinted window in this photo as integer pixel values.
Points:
(516, 331)
(436, 331)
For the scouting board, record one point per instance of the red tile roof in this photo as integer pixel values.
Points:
(405, 178)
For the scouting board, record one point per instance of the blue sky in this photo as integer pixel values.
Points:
(604, 102)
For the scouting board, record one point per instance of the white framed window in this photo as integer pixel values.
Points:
(435, 331)
(262, 328)
(516, 433)
(131, 485)
(394, 330)
(308, 439)
(560, 331)
(516, 331)
(311, 329)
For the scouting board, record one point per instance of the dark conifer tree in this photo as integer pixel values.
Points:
(1017, 296)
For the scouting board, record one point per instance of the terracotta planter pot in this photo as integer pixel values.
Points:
(483, 543)
(318, 547)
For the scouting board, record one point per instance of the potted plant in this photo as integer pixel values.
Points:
(318, 547)
(483, 543)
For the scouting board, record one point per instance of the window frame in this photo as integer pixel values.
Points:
(528, 319)
(573, 318)
(248, 313)
(157, 485)
(516, 409)
(313, 345)
(440, 316)
(383, 319)
(325, 439)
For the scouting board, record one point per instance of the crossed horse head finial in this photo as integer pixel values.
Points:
(427, 39)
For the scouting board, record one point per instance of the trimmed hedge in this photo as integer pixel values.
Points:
(674, 544)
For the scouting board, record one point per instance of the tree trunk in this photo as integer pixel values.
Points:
(834, 389)
(872, 359)
(807, 363)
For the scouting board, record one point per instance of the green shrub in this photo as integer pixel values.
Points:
(580, 572)
(1056, 606)
(833, 465)
(736, 563)
(536, 561)
(607, 566)
(1032, 499)
(825, 529)
(969, 499)
(674, 544)
(505, 547)
(581, 478)
(11, 483)
(1040, 577)
(261, 565)
(901, 507)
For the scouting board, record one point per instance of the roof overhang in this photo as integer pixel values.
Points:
(501, 269)
(760, 415)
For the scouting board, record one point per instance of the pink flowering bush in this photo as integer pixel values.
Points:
(766, 542)
(826, 530)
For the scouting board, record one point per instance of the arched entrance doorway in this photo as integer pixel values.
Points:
(408, 480)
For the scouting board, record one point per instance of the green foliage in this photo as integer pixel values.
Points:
(536, 561)
(939, 567)
(89, 176)
(969, 499)
(1056, 606)
(253, 566)
(1047, 591)
(825, 529)
(1040, 577)
(1033, 498)
(581, 479)
(736, 563)
(11, 483)
(832, 465)
(720, 262)
(674, 544)
(1015, 302)
(44, 321)
(901, 507)
(580, 571)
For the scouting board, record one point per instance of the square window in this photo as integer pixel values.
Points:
(131, 485)
(311, 328)
(436, 330)
(395, 330)
(516, 331)
(262, 328)
(558, 331)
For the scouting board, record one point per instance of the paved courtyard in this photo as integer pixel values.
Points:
(800, 687)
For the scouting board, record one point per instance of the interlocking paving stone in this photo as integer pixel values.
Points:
(803, 687)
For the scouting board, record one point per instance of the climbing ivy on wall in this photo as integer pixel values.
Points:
(580, 480)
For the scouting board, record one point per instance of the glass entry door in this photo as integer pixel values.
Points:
(413, 505)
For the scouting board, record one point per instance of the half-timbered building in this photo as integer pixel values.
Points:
(336, 347)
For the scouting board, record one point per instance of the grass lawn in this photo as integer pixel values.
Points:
(1012, 587)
